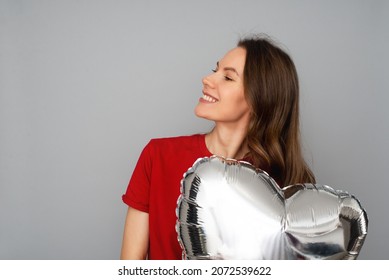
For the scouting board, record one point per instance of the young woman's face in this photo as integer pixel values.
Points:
(223, 97)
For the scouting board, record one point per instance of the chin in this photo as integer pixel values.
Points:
(203, 117)
(200, 114)
(204, 114)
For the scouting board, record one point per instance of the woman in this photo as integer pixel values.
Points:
(252, 96)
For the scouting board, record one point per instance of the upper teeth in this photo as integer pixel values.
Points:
(209, 98)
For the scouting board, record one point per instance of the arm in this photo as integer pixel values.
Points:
(136, 235)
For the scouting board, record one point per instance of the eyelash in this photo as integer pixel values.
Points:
(225, 77)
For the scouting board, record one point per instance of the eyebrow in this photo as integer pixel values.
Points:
(228, 69)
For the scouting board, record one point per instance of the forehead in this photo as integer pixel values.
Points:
(234, 58)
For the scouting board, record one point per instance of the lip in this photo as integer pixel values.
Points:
(207, 94)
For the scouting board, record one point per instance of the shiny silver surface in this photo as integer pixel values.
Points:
(230, 210)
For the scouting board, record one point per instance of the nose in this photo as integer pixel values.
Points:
(207, 81)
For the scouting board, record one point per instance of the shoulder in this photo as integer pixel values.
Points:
(192, 144)
(176, 140)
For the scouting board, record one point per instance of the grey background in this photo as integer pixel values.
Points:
(85, 84)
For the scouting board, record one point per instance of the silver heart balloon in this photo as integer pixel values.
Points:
(230, 210)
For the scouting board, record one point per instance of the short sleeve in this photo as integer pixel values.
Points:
(138, 190)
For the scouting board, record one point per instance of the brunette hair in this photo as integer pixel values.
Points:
(272, 91)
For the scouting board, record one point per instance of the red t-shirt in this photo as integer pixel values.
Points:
(155, 186)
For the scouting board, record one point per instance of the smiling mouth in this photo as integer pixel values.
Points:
(209, 98)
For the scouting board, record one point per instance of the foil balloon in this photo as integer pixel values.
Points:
(230, 210)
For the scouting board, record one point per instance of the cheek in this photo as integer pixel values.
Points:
(242, 103)
(241, 99)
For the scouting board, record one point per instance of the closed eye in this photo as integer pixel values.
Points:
(227, 78)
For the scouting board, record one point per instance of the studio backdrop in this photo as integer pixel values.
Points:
(85, 84)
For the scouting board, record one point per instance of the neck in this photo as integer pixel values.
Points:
(227, 141)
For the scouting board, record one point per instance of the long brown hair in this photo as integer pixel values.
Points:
(272, 90)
